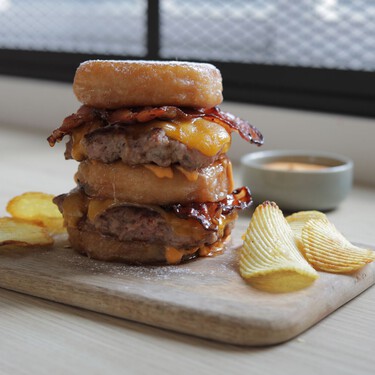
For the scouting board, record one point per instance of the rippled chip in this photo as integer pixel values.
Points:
(269, 258)
(328, 250)
(299, 219)
(22, 233)
(38, 208)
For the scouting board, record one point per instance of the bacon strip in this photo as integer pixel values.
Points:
(208, 214)
(247, 131)
(84, 114)
(145, 114)
(132, 115)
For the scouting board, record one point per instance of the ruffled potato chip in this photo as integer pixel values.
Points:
(328, 250)
(38, 208)
(269, 257)
(22, 233)
(298, 220)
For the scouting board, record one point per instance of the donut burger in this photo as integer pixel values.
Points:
(154, 184)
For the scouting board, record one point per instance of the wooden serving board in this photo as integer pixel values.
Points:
(206, 297)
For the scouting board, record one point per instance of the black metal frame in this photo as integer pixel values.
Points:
(329, 90)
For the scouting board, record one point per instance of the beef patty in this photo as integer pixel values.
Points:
(112, 143)
(150, 224)
(141, 224)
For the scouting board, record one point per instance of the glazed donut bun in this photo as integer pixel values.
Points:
(114, 84)
(101, 247)
(145, 185)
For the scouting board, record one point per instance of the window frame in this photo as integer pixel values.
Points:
(326, 90)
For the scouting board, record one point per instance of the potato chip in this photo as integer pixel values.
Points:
(328, 250)
(38, 208)
(22, 233)
(298, 220)
(269, 258)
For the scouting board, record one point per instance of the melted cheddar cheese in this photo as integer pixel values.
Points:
(78, 149)
(190, 175)
(97, 206)
(205, 136)
(168, 172)
(74, 208)
(161, 172)
(174, 256)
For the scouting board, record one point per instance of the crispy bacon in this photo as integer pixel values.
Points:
(230, 122)
(208, 214)
(247, 131)
(145, 114)
(84, 114)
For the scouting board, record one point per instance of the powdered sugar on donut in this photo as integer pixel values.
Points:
(126, 83)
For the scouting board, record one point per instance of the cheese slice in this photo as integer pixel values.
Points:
(167, 172)
(98, 206)
(161, 172)
(190, 175)
(78, 150)
(74, 208)
(205, 136)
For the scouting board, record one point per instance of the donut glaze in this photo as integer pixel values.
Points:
(114, 84)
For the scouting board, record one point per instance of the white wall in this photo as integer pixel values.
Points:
(43, 105)
(33, 103)
(294, 129)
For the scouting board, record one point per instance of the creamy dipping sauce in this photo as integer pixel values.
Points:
(294, 166)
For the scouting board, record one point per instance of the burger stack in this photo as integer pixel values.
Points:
(154, 184)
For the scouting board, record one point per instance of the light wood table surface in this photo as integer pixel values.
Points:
(41, 337)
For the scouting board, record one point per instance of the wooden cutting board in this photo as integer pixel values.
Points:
(206, 297)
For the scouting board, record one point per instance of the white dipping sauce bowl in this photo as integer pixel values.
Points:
(295, 190)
